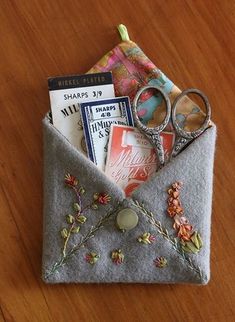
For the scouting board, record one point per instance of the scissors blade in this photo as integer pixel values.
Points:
(156, 141)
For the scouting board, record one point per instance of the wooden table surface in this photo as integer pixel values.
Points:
(193, 43)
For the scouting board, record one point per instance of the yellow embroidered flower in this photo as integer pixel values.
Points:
(146, 238)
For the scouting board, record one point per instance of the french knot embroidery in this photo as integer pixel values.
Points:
(190, 240)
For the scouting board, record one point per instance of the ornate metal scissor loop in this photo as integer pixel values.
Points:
(153, 134)
(182, 136)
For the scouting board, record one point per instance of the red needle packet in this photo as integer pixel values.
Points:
(131, 158)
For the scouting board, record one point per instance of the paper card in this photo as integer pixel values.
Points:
(97, 117)
(131, 158)
(67, 92)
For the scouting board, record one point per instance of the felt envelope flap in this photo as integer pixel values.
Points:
(193, 167)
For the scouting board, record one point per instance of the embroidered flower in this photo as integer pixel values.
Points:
(185, 232)
(100, 198)
(174, 210)
(180, 220)
(185, 229)
(160, 262)
(177, 185)
(146, 238)
(70, 180)
(78, 218)
(117, 256)
(92, 258)
(103, 199)
(190, 240)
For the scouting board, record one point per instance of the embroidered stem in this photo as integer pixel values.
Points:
(78, 196)
(164, 232)
(67, 239)
(84, 239)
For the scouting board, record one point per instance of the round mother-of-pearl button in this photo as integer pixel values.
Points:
(127, 219)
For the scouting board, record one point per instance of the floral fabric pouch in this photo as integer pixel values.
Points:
(161, 233)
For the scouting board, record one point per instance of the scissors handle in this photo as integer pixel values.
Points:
(182, 136)
(153, 134)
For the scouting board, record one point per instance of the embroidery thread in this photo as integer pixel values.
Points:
(73, 220)
(190, 240)
(146, 238)
(164, 233)
(92, 258)
(117, 256)
(160, 262)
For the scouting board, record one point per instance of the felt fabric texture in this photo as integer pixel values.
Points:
(193, 166)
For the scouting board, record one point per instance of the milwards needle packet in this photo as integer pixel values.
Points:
(131, 158)
(97, 118)
(67, 92)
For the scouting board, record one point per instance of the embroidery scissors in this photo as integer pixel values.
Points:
(182, 137)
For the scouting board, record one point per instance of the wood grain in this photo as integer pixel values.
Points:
(193, 43)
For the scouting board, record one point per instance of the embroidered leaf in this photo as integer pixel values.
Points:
(94, 206)
(75, 230)
(195, 240)
(64, 233)
(81, 219)
(82, 190)
(189, 247)
(194, 245)
(199, 240)
(70, 219)
(96, 196)
(76, 206)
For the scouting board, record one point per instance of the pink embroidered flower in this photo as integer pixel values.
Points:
(177, 185)
(185, 229)
(103, 198)
(180, 220)
(185, 232)
(92, 258)
(70, 180)
(160, 262)
(117, 256)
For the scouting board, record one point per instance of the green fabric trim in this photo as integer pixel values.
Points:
(123, 32)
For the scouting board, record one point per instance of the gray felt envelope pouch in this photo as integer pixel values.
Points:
(82, 242)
